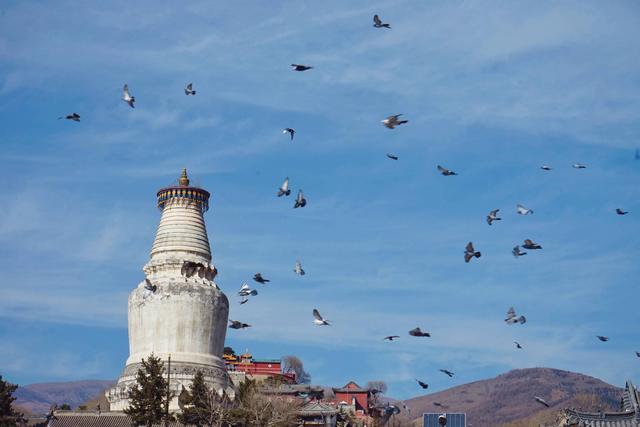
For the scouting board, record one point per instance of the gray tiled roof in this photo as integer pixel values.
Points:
(630, 417)
(96, 419)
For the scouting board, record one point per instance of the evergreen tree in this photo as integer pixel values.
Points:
(196, 410)
(148, 397)
(8, 416)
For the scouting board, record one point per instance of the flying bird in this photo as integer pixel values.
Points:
(437, 404)
(258, 278)
(298, 269)
(150, 286)
(603, 339)
(284, 188)
(378, 23)
(523, 211)
(541, 401)
(516, 252)
(445, 171)
(290, 131)
(300, 67)
(621, 212)
(236, 324)
(301, 202)
(392, 121)
(528, 244)
(579, 166)
(638, 353)
(470, 252)
(417, 332)
(126, 96)
(513, 318)
(546, 168)
(318, 319)
(391, 337)
(493, 216)
(246, 291)
(392, 157)
(447, 372)
(423, 385)
(517, 344)
(189, 90)
(73, 116)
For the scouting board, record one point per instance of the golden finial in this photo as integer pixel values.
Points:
(184, 179)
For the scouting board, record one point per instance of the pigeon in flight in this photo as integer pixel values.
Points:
(126, 96)
(523, 211)
(546, 168)
(516, 252)
(150, 286)
(284, 188)
(189, 90)
(470, 252)
(528, 244)
(236, 324)
(392, 157)
(391, 337)
(298, 269)
(493, 216)
(378, 23)
(423, 385)
(638, 353)
(301, 202)
(445, 171)
(258, 278)
(447, 372)
(73, 116)
(437, 404)
(290, 131)
(621, 212)
(318, 319)
(512, 317)
(300, 67)
(417, 332)
(541, 401)
(392, 121)
(246, 291)
(603, 339)
(579, 166)
(518, 345)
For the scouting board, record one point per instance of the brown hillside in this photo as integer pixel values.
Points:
(509, 397)
(37, 398)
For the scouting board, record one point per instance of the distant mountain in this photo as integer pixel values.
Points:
(36, 399)
(509, 398)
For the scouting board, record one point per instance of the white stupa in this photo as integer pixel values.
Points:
(185, 318)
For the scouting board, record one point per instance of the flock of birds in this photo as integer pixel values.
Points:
(391, 122)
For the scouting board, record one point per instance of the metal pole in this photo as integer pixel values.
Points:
(166, 416)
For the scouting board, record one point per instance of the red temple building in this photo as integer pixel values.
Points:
(355, 396)
(257, 368)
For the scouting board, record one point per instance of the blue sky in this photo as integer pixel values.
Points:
(492, 90)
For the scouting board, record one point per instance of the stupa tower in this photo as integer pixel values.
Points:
(184, 318)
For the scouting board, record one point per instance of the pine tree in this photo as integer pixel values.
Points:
(196, 410)
(9, 417)
(148, 398)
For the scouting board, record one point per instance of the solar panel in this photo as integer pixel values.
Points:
(453, 419)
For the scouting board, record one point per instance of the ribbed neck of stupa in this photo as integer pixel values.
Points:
(182, 233)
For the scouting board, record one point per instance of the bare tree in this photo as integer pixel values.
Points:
(376, 387)
(292, 364)
(256, 409)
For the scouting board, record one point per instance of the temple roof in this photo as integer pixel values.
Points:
(350, 387)
(97, 419)
(629, 417)
(316, 407)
